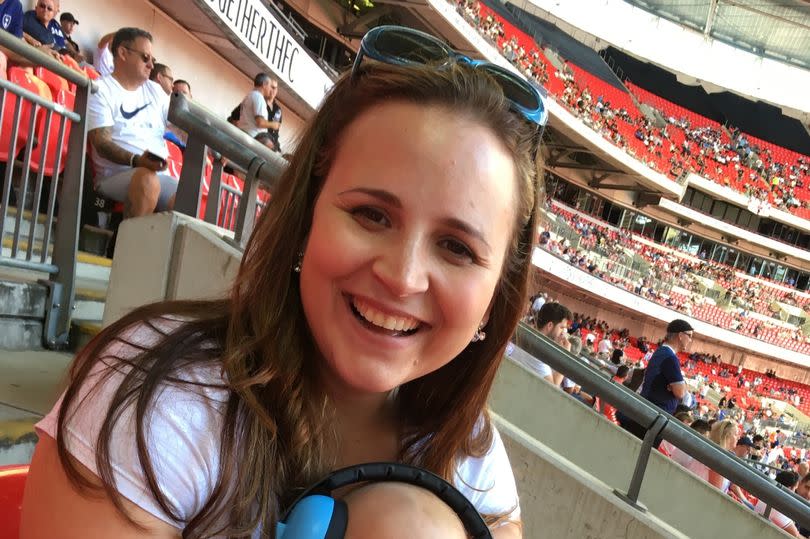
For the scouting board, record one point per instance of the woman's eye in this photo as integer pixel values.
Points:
(370, 215)
(457, 249)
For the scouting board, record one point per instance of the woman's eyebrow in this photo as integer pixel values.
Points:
(383, 195)
(466, 228)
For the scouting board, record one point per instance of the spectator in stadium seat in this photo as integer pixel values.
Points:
(604, 347)
(11, 20)
(788, 479)
(182, 87)
(127, 119)
(344, 339)
(162, 74)
(552, 320)
(69, 23)
(40, 26)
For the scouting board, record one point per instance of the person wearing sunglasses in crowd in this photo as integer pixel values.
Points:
(370, 314)
(41, 29)
(127, 119)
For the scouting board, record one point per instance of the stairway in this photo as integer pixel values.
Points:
(23, 297)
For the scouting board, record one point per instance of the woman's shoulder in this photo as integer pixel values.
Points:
(488, 481)
(181, 424)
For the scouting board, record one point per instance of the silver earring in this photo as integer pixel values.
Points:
(299, 262)
(479, 335)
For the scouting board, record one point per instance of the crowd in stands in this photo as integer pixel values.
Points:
(677, 142)
(734, 407)
(602, 249)
(136, 155)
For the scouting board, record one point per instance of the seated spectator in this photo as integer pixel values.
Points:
(552, 320)
(788, 479)
(11, 20)
(182, 87)
(127, 119)
(608, 410)
(69, 23)
(40, 27)
(162, 74)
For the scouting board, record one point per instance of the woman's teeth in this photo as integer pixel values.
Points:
(383, 320)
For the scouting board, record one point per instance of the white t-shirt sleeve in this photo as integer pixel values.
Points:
(183, 433)
(258, 105)
(99, 108)
(488, 481)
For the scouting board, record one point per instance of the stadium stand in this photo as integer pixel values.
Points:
(688, 142)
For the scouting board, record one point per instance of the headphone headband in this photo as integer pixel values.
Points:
(403, 473)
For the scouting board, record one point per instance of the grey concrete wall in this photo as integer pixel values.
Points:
(168, 256)
(559, 499)
(603, 450)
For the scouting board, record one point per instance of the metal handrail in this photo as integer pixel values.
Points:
(40, 101)
(661, 424)
(207, 131)
(224, 138)
(39, 58)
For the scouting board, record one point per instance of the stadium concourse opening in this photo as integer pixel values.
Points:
(659, 206)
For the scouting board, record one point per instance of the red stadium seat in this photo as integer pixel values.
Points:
(66, 99)
(54, 81)
(12, 487)
(21, 78)
(91, 72)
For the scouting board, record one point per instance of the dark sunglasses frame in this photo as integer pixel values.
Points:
(373, 46)
(146, 58)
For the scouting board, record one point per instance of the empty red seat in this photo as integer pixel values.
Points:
(67, 99)
(12, 487)
(8, 148)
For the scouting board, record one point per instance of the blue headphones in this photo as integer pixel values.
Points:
(316, 515)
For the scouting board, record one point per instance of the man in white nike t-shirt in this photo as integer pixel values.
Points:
(126, 121)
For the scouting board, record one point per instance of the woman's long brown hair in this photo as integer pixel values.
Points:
(275, 439)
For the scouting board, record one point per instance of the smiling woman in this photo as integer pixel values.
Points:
(369, 317)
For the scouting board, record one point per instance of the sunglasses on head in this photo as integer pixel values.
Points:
(405, 46)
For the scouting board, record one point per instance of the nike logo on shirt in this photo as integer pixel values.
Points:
(130, 115)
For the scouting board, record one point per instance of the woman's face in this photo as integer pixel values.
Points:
(408, 238)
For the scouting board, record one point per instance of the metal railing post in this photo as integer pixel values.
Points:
(247, 205)
(59, 309)
(214, 194)
(187, 199)
(631, 496)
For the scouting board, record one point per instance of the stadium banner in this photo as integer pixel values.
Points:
(265, 36)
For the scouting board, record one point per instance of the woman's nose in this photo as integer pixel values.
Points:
(403, 269)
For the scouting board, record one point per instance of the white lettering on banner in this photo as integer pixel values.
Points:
(264, 35)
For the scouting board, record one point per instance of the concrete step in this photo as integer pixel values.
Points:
(10, 224)
(20, 334)
(82, 331)
(22, 299)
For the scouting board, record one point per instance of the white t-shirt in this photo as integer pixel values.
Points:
(138, 120)
(104, 62)
(253, 105)
(605, 346)
(184, 434)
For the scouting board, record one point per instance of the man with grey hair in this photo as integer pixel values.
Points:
(253, 113)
